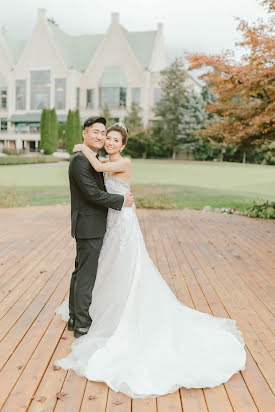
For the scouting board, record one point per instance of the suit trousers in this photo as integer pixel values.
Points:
(83, 279)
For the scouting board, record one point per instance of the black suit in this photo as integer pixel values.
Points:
(89, 206)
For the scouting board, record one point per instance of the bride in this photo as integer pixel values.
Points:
(143, 341)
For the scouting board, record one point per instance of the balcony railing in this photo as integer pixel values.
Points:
(13, 135)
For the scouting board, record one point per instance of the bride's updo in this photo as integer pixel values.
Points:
(119, 127)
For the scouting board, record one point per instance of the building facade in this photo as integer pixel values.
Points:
(54, 69)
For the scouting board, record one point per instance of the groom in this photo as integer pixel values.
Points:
(89, 206)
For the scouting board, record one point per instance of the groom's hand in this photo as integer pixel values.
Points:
(129, 200)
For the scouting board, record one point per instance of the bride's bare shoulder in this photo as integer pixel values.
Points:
(127, 160)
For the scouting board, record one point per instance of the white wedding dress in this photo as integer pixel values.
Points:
(143, 341)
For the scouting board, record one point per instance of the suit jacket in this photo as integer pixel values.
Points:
(89, 199)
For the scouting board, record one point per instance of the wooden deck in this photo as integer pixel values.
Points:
(220, 264)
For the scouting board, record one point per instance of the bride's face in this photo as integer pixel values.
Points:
(113, 143)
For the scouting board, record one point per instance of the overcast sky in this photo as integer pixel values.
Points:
(189, 25)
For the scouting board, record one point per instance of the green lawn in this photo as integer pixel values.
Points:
(187, 184)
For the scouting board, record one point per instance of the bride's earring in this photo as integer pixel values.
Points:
(121, 150)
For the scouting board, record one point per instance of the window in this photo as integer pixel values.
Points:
(34, 127)
(40, 89)
(157, 95)
(77, 97)
(4, 124)
(3, 101)
(114, 97)
(20, 94)
(90, 97)
(136, 95)
(20, 127)
(60, 94)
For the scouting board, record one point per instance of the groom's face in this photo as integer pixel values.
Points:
(94, 136)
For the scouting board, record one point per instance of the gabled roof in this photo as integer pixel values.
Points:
(77, 51)
(113, 76)
(142, 44)
(15, 46)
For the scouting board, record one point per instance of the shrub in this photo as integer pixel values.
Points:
(17, 160)
(264, 210)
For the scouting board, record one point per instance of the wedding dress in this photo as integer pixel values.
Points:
(143, 341)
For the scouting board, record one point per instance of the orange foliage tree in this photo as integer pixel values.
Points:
(245, 91)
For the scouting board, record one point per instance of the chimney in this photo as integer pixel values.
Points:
(160, 27)
(115, 18)
(41, 14)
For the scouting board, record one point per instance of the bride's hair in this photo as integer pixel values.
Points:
(119, 127)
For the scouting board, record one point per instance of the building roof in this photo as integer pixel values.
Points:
(15, 46)
(142, 44)
(113, 76)
(77, 51)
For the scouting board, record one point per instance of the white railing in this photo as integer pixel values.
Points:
(13, 135)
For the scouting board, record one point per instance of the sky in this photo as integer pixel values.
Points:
(204, 26)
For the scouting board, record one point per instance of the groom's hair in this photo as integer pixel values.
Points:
(94, 119)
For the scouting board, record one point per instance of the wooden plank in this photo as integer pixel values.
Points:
(118, 402)
(15, 364)
(265, 388)
(178, 243)
(95, 397)
(52, 381)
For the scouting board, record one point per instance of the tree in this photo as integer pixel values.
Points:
(138, 138)
(69, 132)
(53, 130)
(168, 108)
(106, 113)
(77, 127)
(73, 130)
(48, 131)
(245, 91)
(43, 129)
(193, 117)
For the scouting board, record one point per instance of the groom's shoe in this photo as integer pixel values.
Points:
(80, 332)
(71, 324)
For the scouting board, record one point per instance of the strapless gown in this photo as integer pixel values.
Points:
(143, 341)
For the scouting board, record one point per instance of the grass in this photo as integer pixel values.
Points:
(155, 183)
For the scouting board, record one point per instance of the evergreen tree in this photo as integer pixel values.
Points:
(106, 113)
(192, 119)
(73, 130)
(77, 128)
(69, 132)
(138, 137)
(46, 132)
(53, 131)
(43, 129)
(168, 108)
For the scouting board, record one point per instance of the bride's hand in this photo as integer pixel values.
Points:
(78, 148)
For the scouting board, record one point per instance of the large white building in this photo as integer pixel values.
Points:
(54, 69)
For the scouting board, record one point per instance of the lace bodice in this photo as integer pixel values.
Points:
(116, 186)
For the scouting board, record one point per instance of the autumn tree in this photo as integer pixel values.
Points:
(245, 91)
